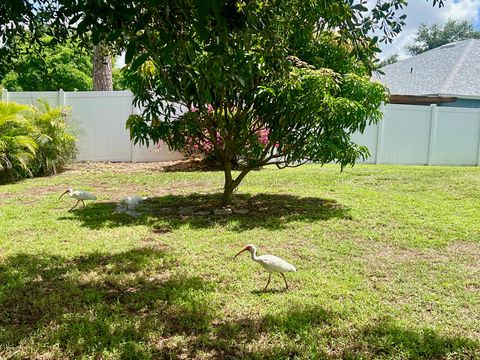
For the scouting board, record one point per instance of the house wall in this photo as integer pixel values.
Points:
(463, 103)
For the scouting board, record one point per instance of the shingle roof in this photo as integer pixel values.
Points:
(452, 69)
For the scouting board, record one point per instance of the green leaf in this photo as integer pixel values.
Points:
(130, 53)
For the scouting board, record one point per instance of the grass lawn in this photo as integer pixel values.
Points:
(388, 261)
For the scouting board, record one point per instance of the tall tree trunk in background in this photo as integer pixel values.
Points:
(102, 68)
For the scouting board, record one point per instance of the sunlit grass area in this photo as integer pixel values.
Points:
(388, 261)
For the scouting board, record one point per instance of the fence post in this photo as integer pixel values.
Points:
(132, 147)
(433, 130)
(478, 153)
(383, 109)
(4, 96)
(61, 98)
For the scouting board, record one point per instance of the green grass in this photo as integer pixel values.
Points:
(388, 262)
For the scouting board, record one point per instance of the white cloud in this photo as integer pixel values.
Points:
(422, 11)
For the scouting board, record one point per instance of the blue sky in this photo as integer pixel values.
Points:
(422, 11)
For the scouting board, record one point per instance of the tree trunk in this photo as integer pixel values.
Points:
(227, 196)
(102, 68)
(229, 184)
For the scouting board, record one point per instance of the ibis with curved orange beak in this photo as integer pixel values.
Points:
(271, 263)
(79, 195)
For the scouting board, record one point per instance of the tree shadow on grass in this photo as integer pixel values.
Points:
(385, 339)
(269, 211)
(138, 305)
(97, 303)
(312, 332)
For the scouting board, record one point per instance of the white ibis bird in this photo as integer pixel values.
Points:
(271, 263)
(132, 201)
(79, 195)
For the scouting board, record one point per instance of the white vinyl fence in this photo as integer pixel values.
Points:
(424, 135)
(408, 134)
(98, 119)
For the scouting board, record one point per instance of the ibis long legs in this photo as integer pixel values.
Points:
(284, 278)
(268, 282)
(75, 205)
(270, 277)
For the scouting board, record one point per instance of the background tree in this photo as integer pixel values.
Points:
(429, 37)
(102, 68)
(24, 26)
(47, 67)
(392, 59)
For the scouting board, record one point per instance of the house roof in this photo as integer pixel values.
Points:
(452, 69)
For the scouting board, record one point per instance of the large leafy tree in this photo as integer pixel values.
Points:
(37, 55)
(48, 65)
(275, 81)
(429, 37)
(44, 66)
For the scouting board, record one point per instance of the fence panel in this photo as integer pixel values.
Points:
(99, 122)
(154, 152)
(406, 135)
(31, 98)
(100, 117)
(369, 139)
(456, 137)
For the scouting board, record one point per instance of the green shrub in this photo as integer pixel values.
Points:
(56, 142)
(33, 141)
(17, 146)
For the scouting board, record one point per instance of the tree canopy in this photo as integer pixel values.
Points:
(47, 67)
(281, 81)
(429, 37)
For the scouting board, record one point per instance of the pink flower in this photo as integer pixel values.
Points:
(210, 108)
(193, 108)
(263, 136)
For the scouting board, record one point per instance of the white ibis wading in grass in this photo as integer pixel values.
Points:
(79, 195)
(271, 263)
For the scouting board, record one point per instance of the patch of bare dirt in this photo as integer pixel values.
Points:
(31, 196)
(115, 167)
(130, 168)
(161, 230)
(467, 251)
(6, 195)
(118, 191)
(47, 190)
(382, 261)
(190, 165)
(153, 243)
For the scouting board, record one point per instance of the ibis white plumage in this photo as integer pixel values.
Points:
(132, 201)
(79, 195)
(271, 263)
